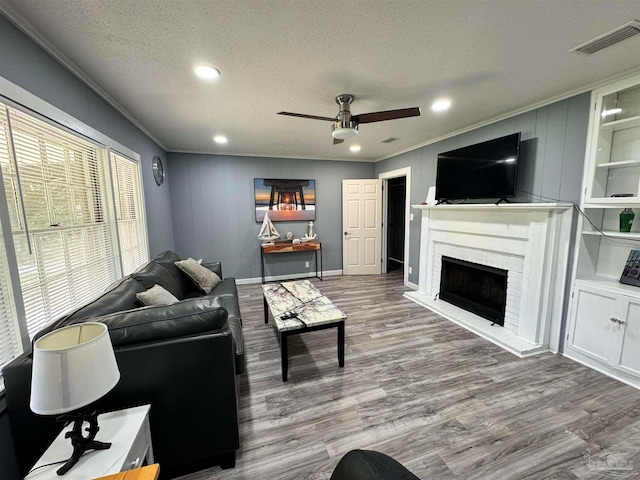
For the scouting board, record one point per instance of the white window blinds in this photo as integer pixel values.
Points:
(73, 214)
(129, 212)
(57, 189)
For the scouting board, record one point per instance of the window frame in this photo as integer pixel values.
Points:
(16, 97)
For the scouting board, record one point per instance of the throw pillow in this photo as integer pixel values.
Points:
(204, 278)
(156, 295)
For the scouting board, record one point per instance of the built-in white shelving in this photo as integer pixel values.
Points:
(604, 317)
(621, 164)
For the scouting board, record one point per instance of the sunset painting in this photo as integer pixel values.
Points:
(286, 200)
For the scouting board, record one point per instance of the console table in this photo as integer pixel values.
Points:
(287, 247)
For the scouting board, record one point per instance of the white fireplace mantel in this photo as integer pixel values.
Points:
(529, 240)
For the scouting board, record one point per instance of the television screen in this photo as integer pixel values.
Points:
(483, 170)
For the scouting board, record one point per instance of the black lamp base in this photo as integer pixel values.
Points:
(81, 444)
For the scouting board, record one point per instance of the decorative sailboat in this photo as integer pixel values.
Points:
(268, 232)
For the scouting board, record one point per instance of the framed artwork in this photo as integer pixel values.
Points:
(631, 271)
(286, 200)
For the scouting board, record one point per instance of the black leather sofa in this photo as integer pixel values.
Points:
(182, 359)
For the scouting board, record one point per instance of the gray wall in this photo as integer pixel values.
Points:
(550, 167)
(28, 66)
(214, 213)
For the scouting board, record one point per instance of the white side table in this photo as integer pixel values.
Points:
(130, 437)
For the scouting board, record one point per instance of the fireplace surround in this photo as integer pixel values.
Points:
(530, 241)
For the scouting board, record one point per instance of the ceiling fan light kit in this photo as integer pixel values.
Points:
(340, 132)
(345, 125)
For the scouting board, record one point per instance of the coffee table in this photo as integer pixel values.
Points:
(305, 309)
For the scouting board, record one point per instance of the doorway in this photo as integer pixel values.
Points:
(396, 193)
(396, 215)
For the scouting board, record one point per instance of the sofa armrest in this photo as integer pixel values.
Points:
(215, 267)
(146, 324)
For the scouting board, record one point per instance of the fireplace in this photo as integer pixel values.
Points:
(479, 289)
(530, 241)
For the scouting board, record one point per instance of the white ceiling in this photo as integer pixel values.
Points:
(491, 57)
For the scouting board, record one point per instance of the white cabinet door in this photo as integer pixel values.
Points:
(593, 332)
(628, 354)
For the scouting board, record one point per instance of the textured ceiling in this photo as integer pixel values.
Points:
(491, 58)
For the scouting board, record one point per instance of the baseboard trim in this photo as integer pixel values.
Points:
(277, 278)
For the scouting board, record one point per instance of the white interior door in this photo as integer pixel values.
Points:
(362, 226)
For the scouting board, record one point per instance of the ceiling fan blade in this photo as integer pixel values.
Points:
(336, 141)
(312, 117)
(387, 115)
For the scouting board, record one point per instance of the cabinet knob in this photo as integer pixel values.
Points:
(136, 463)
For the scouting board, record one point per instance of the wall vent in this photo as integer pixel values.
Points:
(388, 140)
(610, 38)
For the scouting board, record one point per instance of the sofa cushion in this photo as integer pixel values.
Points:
(156, 295)
(204, 278)
(167, 259)
(146, 324)
(153, 272)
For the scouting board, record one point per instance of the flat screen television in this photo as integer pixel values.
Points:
(484, 170)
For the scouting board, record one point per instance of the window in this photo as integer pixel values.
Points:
(76, 219)
(129, 212)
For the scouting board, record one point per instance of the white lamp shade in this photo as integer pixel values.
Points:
(72, 367)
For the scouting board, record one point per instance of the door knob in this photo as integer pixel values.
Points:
(346, 233)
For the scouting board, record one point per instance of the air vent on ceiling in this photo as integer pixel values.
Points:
(388, 140)
(611, 38)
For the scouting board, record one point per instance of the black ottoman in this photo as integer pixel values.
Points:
(370, 465)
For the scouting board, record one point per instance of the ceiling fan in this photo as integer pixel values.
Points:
(345, 125)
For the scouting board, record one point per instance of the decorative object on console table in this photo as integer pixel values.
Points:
(626, 219)
(309, 235)
(631, 271)
(268, 232)
(73, 367)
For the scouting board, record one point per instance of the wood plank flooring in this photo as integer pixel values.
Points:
(445, 403)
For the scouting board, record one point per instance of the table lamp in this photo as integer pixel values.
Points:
(73, 367)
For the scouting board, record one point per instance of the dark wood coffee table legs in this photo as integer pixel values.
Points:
(284, 355)
(284, 351)
(266, 310)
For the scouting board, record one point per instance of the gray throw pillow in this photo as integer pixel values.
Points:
(204, 278)
(156, 295)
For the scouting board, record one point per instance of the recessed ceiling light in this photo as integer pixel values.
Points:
(221, 139)
(354, 148)
(441, 105)
(207, 72)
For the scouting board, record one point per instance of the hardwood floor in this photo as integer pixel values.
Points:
(445, 403)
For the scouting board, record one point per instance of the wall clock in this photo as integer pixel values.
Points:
(158, 170)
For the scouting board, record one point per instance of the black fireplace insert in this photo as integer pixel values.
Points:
(479, 289)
